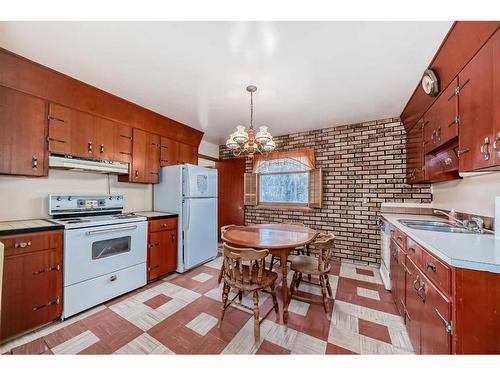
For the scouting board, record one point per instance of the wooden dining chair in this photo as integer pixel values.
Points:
(245, 270)
(300, 250)
(222, 230)
(317, 266)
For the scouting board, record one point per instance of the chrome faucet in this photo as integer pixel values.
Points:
(476, 224)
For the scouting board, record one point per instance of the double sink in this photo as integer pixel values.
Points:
(435, 226)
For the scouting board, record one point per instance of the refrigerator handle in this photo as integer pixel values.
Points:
(187, 216)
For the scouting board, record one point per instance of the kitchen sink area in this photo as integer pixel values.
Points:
(436, 226)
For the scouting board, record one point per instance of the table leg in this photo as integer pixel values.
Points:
(284, 283)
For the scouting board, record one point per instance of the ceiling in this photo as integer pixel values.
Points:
(309, 75)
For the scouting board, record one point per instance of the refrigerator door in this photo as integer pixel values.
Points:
(199, 182)
(200, 231)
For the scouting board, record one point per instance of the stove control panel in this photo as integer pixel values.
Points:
(60, 204)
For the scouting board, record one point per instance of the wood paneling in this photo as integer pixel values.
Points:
(59, 129)
(37, 80)
(415, 172)
(230, 174)
(162, 247)
(153, 158)
(123, 143)
(23, 132)
(104, 139)
(463, 41)
(32, 282)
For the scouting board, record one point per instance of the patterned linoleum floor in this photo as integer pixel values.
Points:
(179, 315)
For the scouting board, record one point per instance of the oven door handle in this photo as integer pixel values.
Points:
(110, 230)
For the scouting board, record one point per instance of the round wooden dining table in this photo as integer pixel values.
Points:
(279, 239)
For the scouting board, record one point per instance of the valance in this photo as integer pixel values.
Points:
(303, 157)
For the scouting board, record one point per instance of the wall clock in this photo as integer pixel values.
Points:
(430, 83)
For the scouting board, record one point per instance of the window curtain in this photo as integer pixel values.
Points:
(304, 156)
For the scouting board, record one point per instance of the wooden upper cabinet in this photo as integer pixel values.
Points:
(441, 121)
(23, 134)
(59, 129)
(476, 108)
(104, 139)
(137, 171)
(83, 142)
(415, 153)
(496, 96)
(188, 154)
(153, 158)
(123, 143)
(169, 152)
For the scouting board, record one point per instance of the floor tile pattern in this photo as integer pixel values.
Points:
(179, 315)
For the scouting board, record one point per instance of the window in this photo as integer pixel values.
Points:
(284, 179)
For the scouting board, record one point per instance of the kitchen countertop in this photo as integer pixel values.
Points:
(27, 226)
(470, 251)
(154, 214)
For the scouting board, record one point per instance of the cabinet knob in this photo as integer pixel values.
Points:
(431, 266)
(34, 162)
(461, 152)
(102, 148)
(89, 146)
(484, 149)
(497, 149)
(22, 245)
(136, 173)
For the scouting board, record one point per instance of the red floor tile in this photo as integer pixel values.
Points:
(38, 346)
(334, 349)
(267, 347)
(374, 330)
(157, 301)
(361, 271)
(64, 334)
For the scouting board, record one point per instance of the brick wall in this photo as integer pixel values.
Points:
(363, 166)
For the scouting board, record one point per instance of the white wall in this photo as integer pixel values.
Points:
(26, 198)
(474, 195)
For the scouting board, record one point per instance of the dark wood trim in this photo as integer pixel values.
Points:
(206, 157)
(32, 78)
(459, 46)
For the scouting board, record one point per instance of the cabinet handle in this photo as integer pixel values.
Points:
(126, 153)
(461, 152)
(163, 225)
(417, 280)
(156, 173)
(22, 245)
(447, 325)
(157, 244)
(448, 161)
(412, 249)
(34, 161)
(125, 136)
(431, 266)
(89, 146)
(102, 148)
(56, 140)
(438, 134)
(54, 302)
(50, 117)
(164, 161)
(173, 237)
(485, 149)
(497, 149)
(57, 267)
(113, 278)
(136, 173)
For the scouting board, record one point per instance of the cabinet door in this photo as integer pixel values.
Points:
(139, 155)
(59, 129)
(105, 131)
(123, 143)
(169, 152)
(162, 253)
(83, 135)
(153, 158)
(187, 154)
(414, 304)
(436, 317)
(23, 132)
(33, 296)
(401, 283)
(476, 109)
(441, 119)
(496, 95)
(394, 269)
(415, 154)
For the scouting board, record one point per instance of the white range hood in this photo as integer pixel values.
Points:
(85, 165)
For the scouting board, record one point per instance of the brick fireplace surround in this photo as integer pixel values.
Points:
(363, 165)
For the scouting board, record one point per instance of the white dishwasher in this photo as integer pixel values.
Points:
(385, 252)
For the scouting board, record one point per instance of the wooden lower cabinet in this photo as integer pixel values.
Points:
(446, 310)
(32, 282)
(162, 247)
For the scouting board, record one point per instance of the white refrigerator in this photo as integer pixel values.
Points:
(191, 192)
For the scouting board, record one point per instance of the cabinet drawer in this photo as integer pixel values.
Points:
(25, 243)
(399, 238)
(437, 271)
(414, 251)
(162, 224)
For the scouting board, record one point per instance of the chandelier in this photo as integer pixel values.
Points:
(243, 142)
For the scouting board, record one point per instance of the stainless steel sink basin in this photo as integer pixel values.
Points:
(436, 226)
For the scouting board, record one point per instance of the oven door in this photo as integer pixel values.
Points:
(92, 252)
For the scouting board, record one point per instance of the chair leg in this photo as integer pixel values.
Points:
(324, 292)
(308, 252)
(256, 323)
(272, 263)
(328, 286)
(225, 294)
(292, 286)
(299, 279)
(220, 274)
(275, 301)
(240, 296)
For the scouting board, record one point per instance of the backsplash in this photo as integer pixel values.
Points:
(363, 166)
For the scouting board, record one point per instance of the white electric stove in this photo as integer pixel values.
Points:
(104, 249)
